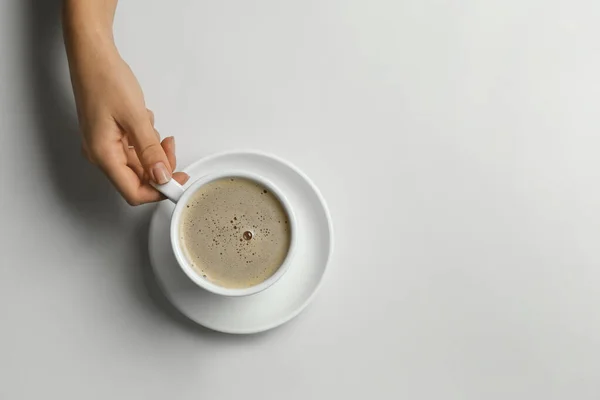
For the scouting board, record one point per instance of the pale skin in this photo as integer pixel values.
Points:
(118, 133)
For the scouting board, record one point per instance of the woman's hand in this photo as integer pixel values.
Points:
(118, 130)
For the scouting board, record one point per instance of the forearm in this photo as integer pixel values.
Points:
(91, 18)
(87, 26)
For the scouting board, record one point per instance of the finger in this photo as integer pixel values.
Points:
(168, 145)
(129, 184)
(130, 145)
(181, 177)
(150, 115)
(149, 151)
(133, 161)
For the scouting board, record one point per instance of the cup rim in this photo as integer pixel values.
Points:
(185, 265)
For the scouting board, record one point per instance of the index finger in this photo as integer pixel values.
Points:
(149, 150)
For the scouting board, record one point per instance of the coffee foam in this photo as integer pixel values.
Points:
(235, 232)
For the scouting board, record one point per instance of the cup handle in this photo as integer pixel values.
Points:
(172, 189)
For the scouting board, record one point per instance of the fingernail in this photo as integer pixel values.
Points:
(161, 174)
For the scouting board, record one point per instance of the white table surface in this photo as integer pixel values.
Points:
(455, 142)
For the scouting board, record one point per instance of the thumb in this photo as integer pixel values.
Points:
(150, 152)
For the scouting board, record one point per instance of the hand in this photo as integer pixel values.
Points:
(118, 131)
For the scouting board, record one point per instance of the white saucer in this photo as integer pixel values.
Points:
(282, 301)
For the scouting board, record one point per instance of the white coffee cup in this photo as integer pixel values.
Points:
(180, 196)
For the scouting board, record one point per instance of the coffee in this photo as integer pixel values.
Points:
(235, 232)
